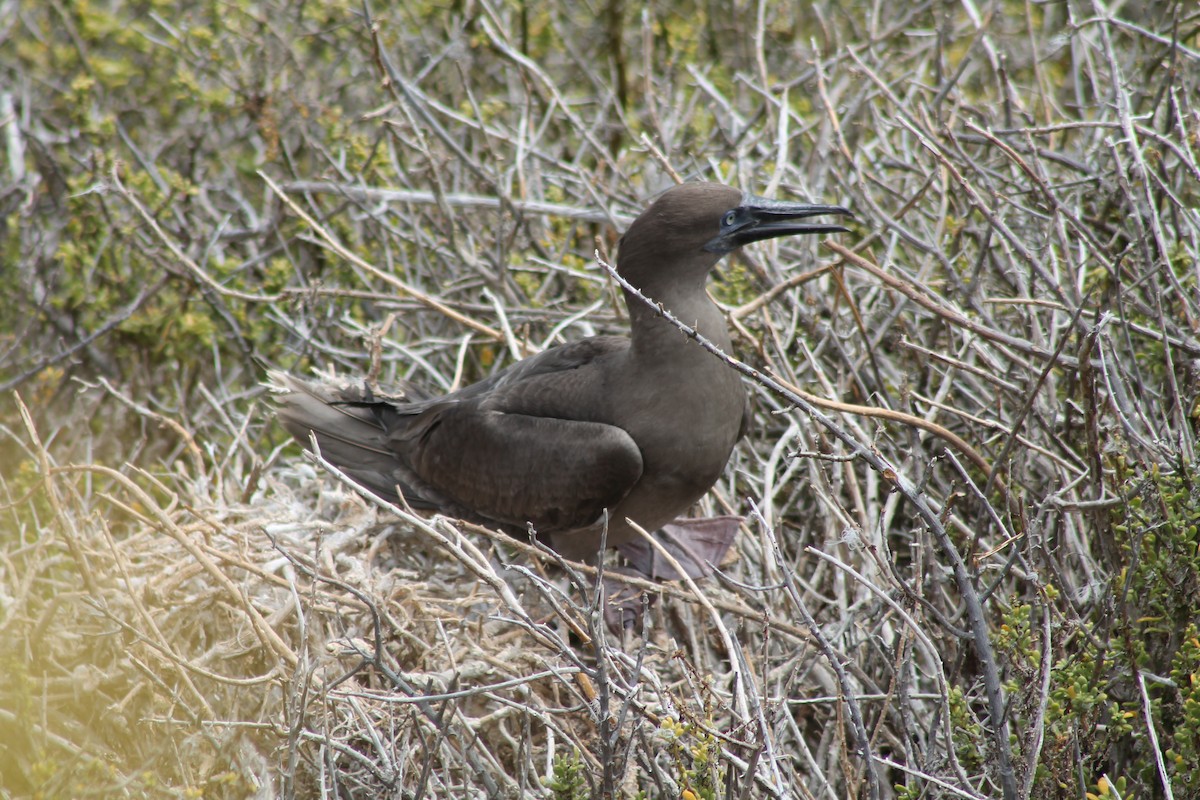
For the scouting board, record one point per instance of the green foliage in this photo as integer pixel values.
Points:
(1183, 755)
(968, 733)
(51, 776)
(569, 781)
(736, 286)
(1158, 529)
(1076, 703)
(1094, 704)
(695, 754)
(186, 144)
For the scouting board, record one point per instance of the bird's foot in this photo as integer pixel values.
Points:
(697, 546)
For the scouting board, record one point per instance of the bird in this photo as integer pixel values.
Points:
(581, 441)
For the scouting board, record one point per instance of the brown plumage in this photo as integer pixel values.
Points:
(639, 426)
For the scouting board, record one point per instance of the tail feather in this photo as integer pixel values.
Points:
(345, 420)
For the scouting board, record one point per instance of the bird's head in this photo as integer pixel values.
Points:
(686, 231)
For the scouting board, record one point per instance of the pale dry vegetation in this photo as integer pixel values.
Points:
(970, 561)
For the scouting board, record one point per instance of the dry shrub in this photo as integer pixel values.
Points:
(970, 562)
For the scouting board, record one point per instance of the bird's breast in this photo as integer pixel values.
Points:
(686, 430)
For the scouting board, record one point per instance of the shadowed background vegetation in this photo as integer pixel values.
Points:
(193, 191)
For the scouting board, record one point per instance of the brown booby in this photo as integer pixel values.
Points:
(640, 427)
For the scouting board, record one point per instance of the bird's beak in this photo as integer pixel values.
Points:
(759, 218)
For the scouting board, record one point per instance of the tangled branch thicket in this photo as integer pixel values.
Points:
(970, 561)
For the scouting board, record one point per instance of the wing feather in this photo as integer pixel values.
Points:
(518, 469)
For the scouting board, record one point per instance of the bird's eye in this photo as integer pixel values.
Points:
(730, 218)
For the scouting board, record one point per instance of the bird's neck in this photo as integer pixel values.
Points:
(656, 337)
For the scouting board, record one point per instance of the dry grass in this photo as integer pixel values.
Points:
(969, 563)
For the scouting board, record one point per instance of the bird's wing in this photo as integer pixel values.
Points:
(518, 469)
(556, 365)
(531, 446)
